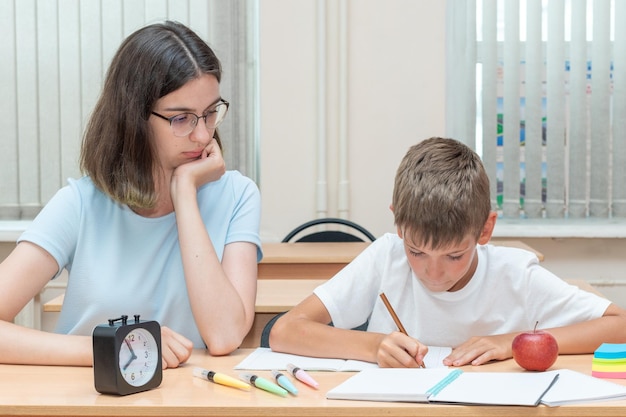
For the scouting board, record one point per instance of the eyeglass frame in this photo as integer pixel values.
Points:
(204, 116)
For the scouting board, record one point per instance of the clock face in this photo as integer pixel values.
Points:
(138, 357)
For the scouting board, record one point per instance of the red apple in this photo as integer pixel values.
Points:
(536, 350)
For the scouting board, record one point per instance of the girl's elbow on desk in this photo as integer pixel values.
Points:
(221, 349)
(222, 346)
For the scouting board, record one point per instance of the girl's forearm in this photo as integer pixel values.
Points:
(217, 306)
(22, 345)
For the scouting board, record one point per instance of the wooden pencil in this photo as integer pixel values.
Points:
(393, 313)
(395, 317)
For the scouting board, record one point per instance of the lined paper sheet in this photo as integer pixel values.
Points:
(266, 359)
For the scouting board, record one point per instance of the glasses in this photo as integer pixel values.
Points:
(184, 123)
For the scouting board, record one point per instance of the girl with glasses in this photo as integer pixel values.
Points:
(157, 226)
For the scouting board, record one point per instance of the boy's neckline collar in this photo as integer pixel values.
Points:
(462, 283)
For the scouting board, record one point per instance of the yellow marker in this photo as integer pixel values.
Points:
(221, 379)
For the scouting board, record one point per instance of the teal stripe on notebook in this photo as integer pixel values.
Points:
(444, 382)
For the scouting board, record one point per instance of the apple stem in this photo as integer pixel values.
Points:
(535, 329)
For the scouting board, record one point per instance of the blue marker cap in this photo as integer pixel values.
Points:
(284, 382)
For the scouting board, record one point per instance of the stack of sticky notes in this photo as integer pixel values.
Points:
(609, 361)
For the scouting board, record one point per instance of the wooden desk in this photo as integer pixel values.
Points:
(69, 391)
(307, 260)
(300, 261)
(323, 260)
(273, 296)
(312, 262)
(517, 244)
(278, 295)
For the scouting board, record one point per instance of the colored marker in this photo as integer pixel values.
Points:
(301, 375)
(284, 382)
(221, 379)
(263, 384)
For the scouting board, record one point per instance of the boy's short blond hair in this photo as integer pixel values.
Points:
(441, 193)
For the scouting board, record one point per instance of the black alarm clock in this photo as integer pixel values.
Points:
(127, 356)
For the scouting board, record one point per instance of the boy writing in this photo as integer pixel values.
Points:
(447, 285)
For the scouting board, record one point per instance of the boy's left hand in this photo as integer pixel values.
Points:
(480, 350)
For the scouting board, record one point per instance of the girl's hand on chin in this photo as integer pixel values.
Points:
(208, 168)
(213, 154)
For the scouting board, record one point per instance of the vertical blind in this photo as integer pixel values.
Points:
(54, 57)
(538, 88)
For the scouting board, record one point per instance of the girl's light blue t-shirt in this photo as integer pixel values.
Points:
(120, 263)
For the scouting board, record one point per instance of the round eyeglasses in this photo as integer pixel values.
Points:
(184, 123)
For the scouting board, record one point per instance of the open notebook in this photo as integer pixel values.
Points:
(445, 386)
(266, 359)
(552, 388)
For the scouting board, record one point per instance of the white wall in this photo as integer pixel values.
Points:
(394, 96)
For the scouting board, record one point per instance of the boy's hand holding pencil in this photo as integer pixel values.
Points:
(419, 351)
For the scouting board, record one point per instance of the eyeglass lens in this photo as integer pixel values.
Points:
(184, 123)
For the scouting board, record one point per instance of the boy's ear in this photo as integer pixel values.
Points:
(490, 224)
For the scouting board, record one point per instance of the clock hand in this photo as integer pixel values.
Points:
(128, 363)
(132, 353)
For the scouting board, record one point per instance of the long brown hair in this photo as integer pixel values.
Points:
(117, 151)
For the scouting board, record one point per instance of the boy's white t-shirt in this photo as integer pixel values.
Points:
(509, 292)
